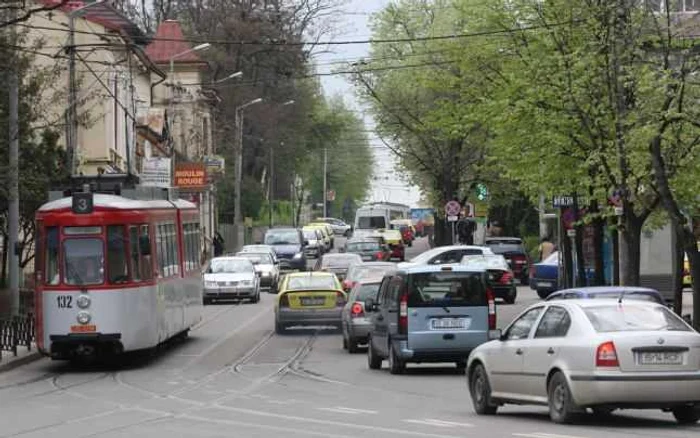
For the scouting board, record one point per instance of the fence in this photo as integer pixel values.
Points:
(18, 330)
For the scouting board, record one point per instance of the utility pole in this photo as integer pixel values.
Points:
(72, 115)
(271, 182)
(13, 177)
(325, 182)
(237, 218)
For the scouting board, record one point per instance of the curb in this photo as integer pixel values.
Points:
(24, 360)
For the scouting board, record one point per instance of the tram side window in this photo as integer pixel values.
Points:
(51, 259)
(187, 232)
(197, 243)
(162, 250)
(135, 253)
(146, 260)
(117, 259)
(174, 259)
(193, 252)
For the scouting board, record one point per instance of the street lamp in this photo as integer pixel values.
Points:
(198, 48)
(231, 76)
(238, 123)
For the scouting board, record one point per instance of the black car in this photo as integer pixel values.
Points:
(289, 244)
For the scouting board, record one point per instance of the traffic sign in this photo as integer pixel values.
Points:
(452, 208)
(567, 201)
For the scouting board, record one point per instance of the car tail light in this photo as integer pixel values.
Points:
(347, 284)
(506, 278)
(380, 255)
(357, 310)
(403, 314)
(606, 355)
(491, 298)
(340, 299)
(284, 301)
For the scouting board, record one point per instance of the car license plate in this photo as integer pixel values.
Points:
(544, 284)
(660, 358)
(448, 323)
(312, 301)
(366, 258)
(83, 328)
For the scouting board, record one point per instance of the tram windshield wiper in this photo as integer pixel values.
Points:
(74, 273)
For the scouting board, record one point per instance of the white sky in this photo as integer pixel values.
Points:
(354, 25)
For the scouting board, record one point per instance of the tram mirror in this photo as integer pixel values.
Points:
(145, 245)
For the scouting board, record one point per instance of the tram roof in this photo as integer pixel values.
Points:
(119, 203)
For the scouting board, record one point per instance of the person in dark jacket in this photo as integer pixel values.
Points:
(218, 245)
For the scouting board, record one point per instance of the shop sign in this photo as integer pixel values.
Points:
(190, 176)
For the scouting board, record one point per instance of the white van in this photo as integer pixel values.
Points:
(372, 218)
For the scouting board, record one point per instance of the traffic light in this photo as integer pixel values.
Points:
(481, 192)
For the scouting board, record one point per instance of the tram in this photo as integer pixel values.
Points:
(115, 274)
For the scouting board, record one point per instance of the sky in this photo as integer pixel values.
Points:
(354, 21)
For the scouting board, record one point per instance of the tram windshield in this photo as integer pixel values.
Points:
(84, 261)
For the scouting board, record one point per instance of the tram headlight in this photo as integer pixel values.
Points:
(83, 317)
(83, 301)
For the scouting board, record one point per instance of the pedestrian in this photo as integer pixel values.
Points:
(206, 244)
(546, 248)
(218, 245)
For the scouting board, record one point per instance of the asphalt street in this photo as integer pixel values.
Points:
(235, 378)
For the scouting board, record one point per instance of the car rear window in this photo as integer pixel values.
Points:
(446, 289)
(366, 291)
(631, 318)
(325, 282)
(499, 248)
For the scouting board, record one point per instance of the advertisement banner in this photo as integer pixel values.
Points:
(156, 172)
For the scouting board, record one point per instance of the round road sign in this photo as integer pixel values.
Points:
(453, 208)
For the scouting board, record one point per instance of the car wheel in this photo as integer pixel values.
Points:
(373, 361)
(480, 390)
(510, 299)
(403, 257)
(345, 342)
(410, 243)
(206, 301)
(525, 280)
(396, 366)
(352, 346)
(686, 414)
(561, 405)
(542, 293)
(279, 328)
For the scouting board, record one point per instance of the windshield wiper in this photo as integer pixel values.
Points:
(74, 273)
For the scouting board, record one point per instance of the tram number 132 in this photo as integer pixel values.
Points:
(65, 301)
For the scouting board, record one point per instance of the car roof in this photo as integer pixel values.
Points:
(340, 255)
(282, 229)
(611, 289)
(230, 258)
(501, 239)
(453, 267)
(362, 239)
(585, 303)
(377, 264)
(310, 274)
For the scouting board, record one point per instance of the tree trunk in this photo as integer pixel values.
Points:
(3, 274)
(578, 239)
(598, 264)
(615, 240)
(567, 281)
(677, 270)
(630, 257)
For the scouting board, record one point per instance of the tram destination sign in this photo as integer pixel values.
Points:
(82, 203)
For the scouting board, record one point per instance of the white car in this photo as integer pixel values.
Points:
(340, 228)
(265, 267)
(442, 255)
(262, 248)
(598, 354)
(230, 278)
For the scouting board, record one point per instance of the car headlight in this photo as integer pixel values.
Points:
(83, 301)
(299, 255)
(83, 317)
(210, 284)
(247, 283)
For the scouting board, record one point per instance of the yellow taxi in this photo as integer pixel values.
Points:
(328, 231)
(394, 239)
(309, 299)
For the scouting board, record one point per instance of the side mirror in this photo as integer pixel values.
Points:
(370, 305)
(306, 242)
(496, 334)
(145, 245)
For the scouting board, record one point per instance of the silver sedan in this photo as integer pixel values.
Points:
(602, 355)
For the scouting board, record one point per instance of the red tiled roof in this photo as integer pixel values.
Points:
(170, 41)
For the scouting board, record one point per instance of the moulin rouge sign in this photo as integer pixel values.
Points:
(190, 176)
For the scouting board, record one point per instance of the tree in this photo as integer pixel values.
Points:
(42, 162)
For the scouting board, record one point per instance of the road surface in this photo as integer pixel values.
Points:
(235, 378)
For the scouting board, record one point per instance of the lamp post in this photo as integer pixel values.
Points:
(270, 185)
(237, 218)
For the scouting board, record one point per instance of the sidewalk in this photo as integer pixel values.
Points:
(24, 356)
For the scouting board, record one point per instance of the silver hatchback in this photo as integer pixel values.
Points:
(356, 322)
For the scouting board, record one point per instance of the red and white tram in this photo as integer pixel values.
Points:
(115, 274)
